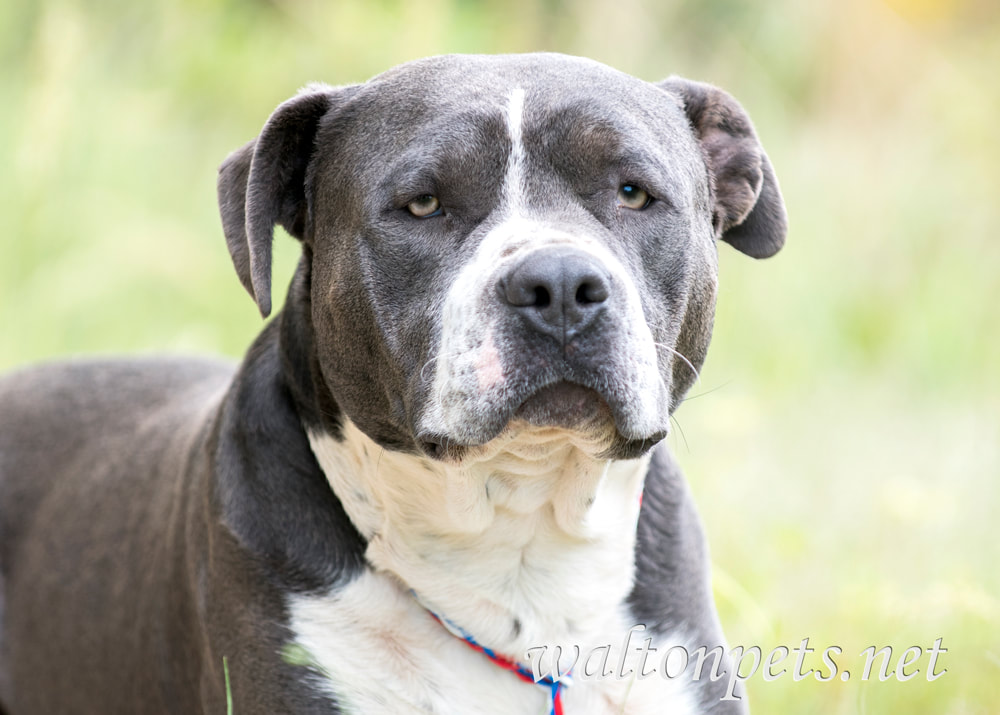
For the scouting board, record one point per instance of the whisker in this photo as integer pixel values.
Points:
(426, 365)
(680, 429)
(437, 357)
(707, 392)
(432, 360)
(687, 362)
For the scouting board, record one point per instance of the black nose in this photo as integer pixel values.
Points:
(559, 290)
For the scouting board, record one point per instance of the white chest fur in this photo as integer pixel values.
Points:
(528, 544)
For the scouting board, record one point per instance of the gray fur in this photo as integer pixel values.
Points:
(154, 514)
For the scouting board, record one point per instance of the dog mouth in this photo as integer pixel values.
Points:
(564, 405)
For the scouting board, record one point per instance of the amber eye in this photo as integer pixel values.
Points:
(633, 197)
(424, 206)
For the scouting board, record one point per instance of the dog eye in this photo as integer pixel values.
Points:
(633, 197)
(424, 206)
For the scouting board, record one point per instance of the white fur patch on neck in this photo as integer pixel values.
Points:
(376, 650)
(494, 542)
(528, 544)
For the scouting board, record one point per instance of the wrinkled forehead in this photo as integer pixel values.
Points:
(469, 107)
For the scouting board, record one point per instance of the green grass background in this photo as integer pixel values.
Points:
(844, 444)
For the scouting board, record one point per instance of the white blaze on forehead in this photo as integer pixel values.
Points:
(515, 112)
(514, 182)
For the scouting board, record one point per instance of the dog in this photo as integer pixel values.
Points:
(437, 481)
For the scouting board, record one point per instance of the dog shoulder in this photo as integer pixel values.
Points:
(272, 494)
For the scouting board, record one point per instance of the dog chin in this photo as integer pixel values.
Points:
(581, 412)
(584, 412)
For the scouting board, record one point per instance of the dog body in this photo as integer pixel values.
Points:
(449, 434)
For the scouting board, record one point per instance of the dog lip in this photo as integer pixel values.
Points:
(565, 404)
(559, 403)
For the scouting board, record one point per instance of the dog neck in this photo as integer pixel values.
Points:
(528, 543)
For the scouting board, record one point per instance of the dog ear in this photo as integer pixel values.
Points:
(264, 183)
(748, 211)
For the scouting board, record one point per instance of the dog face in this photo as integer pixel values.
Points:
(498, 241)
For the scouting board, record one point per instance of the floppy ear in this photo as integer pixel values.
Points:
(748, 210)
(264, 183)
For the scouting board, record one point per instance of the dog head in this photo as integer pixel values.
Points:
(501, 241)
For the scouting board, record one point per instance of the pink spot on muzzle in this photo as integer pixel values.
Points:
(489, 371)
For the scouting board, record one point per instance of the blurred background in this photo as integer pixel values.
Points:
(843, 443)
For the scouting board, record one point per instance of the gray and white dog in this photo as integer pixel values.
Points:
(439, 463)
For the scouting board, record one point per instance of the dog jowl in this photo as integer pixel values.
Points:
(441, 464)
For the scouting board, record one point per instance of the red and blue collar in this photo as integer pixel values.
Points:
(555, 686)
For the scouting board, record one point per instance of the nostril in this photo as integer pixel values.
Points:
(590, 292)
(558, 290)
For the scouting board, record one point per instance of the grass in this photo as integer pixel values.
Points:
(229, 691)
(846, 449)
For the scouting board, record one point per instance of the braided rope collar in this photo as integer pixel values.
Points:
(555, 686)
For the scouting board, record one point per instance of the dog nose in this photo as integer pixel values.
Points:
(558, 290)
